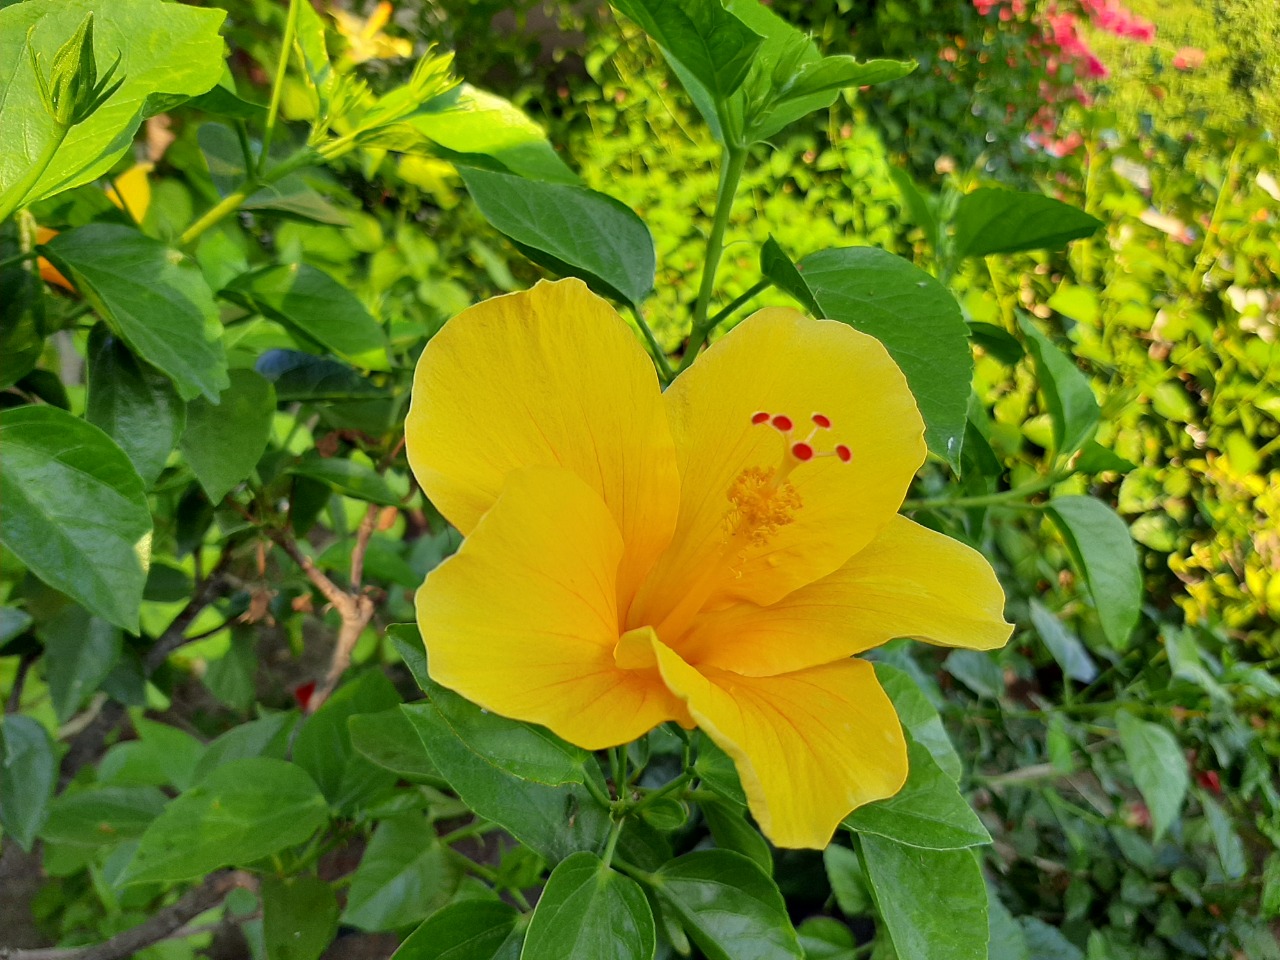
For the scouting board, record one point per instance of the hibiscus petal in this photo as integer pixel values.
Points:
(810, 746)
(779, 362)
(523, 619)
(910, 581)
(548, 377)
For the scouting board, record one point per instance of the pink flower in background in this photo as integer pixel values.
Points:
(1188, 58)
(1113, 17)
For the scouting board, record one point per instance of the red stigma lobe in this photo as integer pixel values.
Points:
(782, 422)
(802, 451)
(844, 453)
(822, 420)
(759, 418)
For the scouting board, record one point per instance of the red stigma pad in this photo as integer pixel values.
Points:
(844, 453)
(782, 422)
(822, 420)
(759, 418)
(802, 451)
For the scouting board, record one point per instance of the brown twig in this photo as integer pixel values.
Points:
(211, 892)
(19, 681)
(174, 636)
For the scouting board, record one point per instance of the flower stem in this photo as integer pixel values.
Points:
(731, 166)
(655, 349)
(611, 844)
(18, 191)
(277, 88)
(666, 789)
(1003, 498)
(228, 205)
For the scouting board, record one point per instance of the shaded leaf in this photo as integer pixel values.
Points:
(588, 912)
(299, 917)
(30, 772)
(306, 377)
(1101, 546)
(350, 477)
(1066, 390)
(404, 876)
(1064, 645)
(1005, 221)
(80, 651)
(466, 930)
(224, 442)
(1158, 766)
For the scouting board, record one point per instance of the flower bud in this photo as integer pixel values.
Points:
(73, 91)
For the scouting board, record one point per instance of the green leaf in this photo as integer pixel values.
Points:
(167, 52)
(80, 650)
(30, 772)
(1005, 221)
(928, 811)
(825, 938)
(267, 736)
(133, 404)
(1064, 645)
(161, 756)
(754, 113)
(778, 269)
(241, 812)
(1095, 458)
(299, 917)
(1047, 943)
(706, 42)
(1072, 405)
(731, 831)
(466, 930)
(996, 341)
(729, 907)
(1101, 546)
(470, 121)
(556, 821)
(22, 302)
(917, 320)
(717, 771)
(1158, 766)
(306, 377)
(920, 205)
(1008, 942)
(1225, 839)
(977, 670)
(75, 511)
(13, 623)
(311, 304)
(570, 230)
(390, 740)
(224, 442)
(588, 912)
(919, 718)
(404, 876)
(323, 744)
(155, 299)
(932, 903)
(1271, 887)
(355, 479)
(848, 881)
(102, 816)
(835, 73)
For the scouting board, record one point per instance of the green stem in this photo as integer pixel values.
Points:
(599, 795)
(737, 302)
(224, 208)
(1003, 498)
(611, 845)
(17, 258)
(16, 193)
(731, 166)
(477, 829)
(657, 794)
(277, 88)
(655, 349)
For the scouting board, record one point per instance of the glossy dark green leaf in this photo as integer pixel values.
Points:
(919, 717)
(717, 771)
(164, 49)
(1158, 766)
(1005, 221)
(299, 917)
(708, 43)
(778, 269)
(390, 740)
(323, 744)
(30, 771)
(466, 930)
(134, 404)
(350, 477)
(22, 311)
(404, 876)
(919, 205)
(154, 298)
(996, 341)
(917, 320)
(928, 811)
(588, 912)
(825, 938)
(838, 72)
(570, 230)
(311, 304)
(933, 903)
(304, 376)
(75, 511)
(556, 821)
(729, 907)
(1101, 546)
(729, 828)
(13, 623)
(241, 812)
(849, 884)
(1064, 645)
(1066, 390)
(224, 442)
(1008, 942)
(102, 816)
(80, 650)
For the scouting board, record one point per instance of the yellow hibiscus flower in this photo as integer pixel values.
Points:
(714, 555)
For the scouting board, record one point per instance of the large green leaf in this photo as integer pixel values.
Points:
(389, 740)
(466, 930)
(102, 816)
(80, 650)
(310, 303)
(155, 299)
(1158, 765)
(933, 903)
(304, 376)
(919, 717)
(133, 404)
(223, 443)
(838, 72)
(299, 917)
(470, 121)
(1072, 405)
(1005, 221)
(1101, 546)
(570, 230)
(167, 52)
(707, 44)
(404, 876)
(928, 811)
(22, 302)
(1064, 645)
(355, 479)
(30, 770)
(241, 812)
(75, 511)
(729, 907)
(912, 314)
(588, 912)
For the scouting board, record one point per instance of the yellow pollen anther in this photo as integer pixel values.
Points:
(760, 505)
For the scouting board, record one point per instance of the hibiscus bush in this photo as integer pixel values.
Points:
(411, 548)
